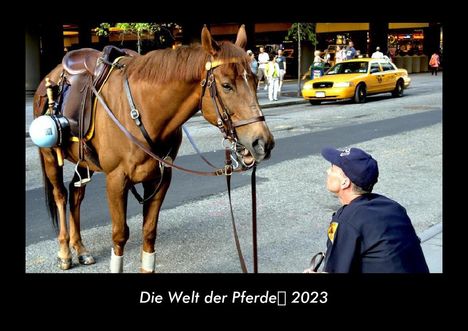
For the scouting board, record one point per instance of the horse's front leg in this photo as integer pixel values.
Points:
(117, 192)
(75, 198)
(150, 219)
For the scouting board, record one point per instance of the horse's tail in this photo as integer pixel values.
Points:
(49, 194)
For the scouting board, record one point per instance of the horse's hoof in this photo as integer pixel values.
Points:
(86, 259)
(144, 271)
(64, 264)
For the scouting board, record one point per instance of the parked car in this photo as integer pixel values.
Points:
(356, 79)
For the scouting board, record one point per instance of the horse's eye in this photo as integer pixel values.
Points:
(227, 87)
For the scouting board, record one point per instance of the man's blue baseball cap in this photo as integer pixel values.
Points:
(360, 167)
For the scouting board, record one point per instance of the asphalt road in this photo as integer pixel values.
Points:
(186, 187)
(404, 134)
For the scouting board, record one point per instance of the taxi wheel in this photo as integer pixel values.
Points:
(398, 91)
(360, 93)
(315, 102)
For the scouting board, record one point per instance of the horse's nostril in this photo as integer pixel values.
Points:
(259, 146)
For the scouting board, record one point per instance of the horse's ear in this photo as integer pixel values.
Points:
(208, 43)
(241, 40)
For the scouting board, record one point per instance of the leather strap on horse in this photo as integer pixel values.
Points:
(254, 218)
(137, 195)
(248, 121)
(223, 118)
(194, 145)
(219, 172)
(135, 115)
(234, 229)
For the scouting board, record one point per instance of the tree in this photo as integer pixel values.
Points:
(299, 32)
(139, 29)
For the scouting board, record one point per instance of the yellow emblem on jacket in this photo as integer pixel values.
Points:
(332, 230)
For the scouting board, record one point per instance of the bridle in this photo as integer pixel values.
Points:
(227, 127)
(224, 121)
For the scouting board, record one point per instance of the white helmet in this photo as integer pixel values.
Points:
(48, 131)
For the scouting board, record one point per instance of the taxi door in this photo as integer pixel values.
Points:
(390, 76)
(375, 84)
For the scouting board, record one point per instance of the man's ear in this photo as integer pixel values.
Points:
(346, 182)
(208, 43)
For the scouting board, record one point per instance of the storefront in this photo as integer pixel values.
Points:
(406, 42)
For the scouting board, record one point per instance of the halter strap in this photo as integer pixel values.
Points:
(224, 120)
(249, 121)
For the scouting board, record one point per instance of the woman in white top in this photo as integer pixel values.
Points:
(272, 72)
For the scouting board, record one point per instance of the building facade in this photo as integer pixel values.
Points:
(47, 43)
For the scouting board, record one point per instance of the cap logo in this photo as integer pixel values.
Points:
(345, 152)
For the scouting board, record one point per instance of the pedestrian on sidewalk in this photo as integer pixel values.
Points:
(253, 62)
(281, 60)
(272, 72)
(377, 54)
(370, 233)
(434, 63)
(263, 59)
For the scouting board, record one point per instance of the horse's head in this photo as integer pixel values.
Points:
(230, 101)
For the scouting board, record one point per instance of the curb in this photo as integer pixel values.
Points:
(431, 232)
(285, 103)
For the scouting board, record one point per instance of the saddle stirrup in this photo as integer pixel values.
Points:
(82, 181)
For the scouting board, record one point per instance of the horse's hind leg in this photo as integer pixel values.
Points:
(117, 193)
(56, 196)
(75, 198)
(150, 220)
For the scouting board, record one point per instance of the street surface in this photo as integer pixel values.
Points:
(294, 207)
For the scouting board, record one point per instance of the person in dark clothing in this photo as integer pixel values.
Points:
(370, 233)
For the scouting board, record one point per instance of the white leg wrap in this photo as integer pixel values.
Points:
(116, 264)
(148, 261)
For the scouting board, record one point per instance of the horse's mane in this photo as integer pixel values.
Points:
(185, 63)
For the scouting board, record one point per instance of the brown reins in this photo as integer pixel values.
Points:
(223, 121)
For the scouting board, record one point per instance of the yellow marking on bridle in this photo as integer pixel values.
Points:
(217, 63)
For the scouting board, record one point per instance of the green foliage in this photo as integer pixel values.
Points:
(139, 29)
(306, 32)
(102, 30)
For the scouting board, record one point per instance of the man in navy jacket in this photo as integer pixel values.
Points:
(370, 233)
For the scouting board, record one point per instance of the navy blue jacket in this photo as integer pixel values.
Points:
(373, 234)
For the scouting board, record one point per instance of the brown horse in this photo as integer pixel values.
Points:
(167, 89)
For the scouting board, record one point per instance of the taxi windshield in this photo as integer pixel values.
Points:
(348, 68)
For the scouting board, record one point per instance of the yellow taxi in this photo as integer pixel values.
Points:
(356, 79)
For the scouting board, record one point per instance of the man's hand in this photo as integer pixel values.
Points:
(309, 271)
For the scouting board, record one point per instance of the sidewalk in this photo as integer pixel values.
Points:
(287, 97)
(431, 242)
